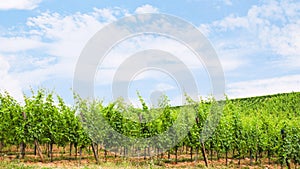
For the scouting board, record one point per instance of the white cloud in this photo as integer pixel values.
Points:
(230, 22)
(19, 4)
(228, 2)
(231, 50)
(272, 27)
(262, 87)
(4, 66)
(48, 48)
(18, 44)
(265, 39)
(164, 87)
(127, 48)
(110, 14)
(8, 82)
(62, 37)
(68, 34)
(146, 9)
(205, 29)
(57, 27)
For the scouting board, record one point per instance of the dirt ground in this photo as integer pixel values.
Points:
(61, 159)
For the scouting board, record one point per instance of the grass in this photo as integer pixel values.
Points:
(15, 164)
(107, 165)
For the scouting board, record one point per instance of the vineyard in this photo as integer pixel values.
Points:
(257, 130)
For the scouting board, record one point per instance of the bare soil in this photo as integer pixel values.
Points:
(62, 159)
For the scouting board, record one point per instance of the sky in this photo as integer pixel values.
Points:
(257, 43)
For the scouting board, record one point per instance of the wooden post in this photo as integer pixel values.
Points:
(191, 153)
(250, 157)
(71, 145)
(226, 154)
(105, 155)
(202, 146)
(211, 152)
(269, 157)
(204, 154)
(1, 146)
(197, 153)
(95, 153)
(36, 143)
(80, 154)
(35, 150)
(76, 151)
(51, 152)
(23, 145)
(176, 154)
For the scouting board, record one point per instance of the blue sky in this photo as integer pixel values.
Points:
(258, 44)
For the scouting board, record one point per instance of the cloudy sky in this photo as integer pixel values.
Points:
(257, 42)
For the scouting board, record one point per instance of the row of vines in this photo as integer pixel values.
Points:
(258, 128)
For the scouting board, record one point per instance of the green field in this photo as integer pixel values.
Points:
(259, 131)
